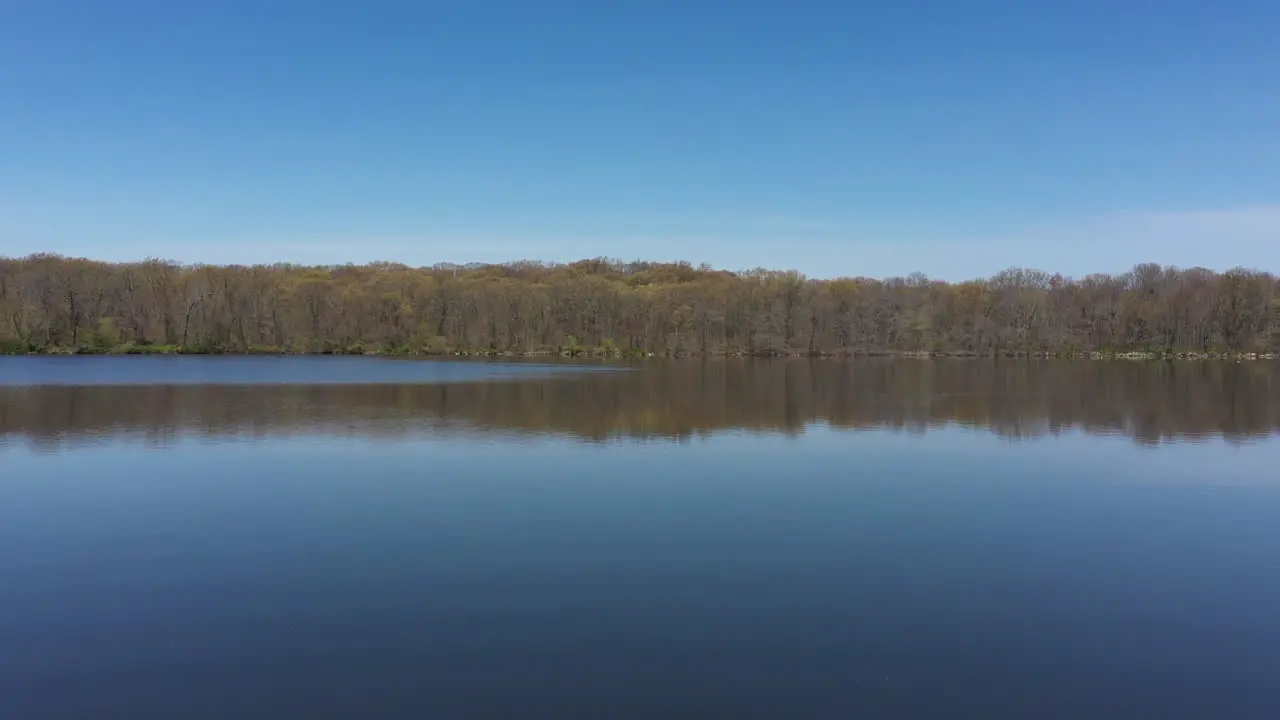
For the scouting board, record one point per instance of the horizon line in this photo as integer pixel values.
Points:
(613, 261)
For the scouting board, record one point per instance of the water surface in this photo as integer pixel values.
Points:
(260, 370)
(722, 539)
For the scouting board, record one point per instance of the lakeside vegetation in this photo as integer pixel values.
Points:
(56, 305)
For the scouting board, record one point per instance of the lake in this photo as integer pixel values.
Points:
(357, 537)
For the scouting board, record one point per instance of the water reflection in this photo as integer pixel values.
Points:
(1148, 402)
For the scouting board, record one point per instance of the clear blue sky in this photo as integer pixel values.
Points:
(837, 138)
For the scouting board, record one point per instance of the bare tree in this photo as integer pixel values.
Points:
(51, 303)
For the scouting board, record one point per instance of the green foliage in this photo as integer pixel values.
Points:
(203, 349)
(107, 335)
(14, 347)
(131, 348)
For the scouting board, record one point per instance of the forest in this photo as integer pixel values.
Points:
(55, 304)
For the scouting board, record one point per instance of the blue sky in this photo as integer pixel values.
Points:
(836, 138)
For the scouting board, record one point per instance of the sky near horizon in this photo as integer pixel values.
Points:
(836, 138)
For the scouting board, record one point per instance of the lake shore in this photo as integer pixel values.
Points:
(612, 353)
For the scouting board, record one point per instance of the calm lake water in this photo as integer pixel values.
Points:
(361, 538)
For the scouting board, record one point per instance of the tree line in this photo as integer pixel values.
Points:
(1149, 403)
(50, 303)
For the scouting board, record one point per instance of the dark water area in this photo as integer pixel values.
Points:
(208, 538)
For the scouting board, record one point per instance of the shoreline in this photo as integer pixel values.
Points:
(359, 351)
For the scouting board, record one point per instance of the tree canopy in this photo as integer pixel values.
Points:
(50, 303)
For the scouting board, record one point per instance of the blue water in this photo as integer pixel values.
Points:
(259, 370)
(315, 568)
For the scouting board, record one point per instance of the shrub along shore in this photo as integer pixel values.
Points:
(612, 353)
